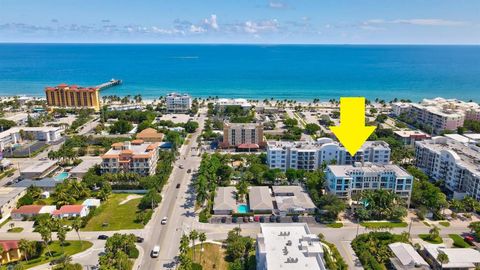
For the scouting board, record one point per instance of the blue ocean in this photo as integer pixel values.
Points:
(301, 72)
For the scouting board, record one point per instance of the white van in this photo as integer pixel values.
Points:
(155, 251)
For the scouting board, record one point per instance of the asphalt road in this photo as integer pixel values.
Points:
(177, 205)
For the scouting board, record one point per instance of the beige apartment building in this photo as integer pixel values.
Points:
(243, 136)
(131, 157)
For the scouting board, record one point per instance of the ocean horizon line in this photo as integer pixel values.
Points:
(242, 44)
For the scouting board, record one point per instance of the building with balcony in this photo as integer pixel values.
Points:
(347, 180)
(131, 157)
(456, 163)
(310, 156)
(243, 136)
(73, 96)
(439, 114)
(178, 103)
(288, 246)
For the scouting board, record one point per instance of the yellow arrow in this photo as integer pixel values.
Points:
(352, 132)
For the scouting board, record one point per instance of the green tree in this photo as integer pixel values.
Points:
(193, 236)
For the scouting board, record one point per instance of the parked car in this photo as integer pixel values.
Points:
(317, 219)
(178, 185)
(180, 166)
(155, 251)
(272, 218)
(224, 219)
(189, 170)
(278, 219)
(469, 239)
(234, 219)
(250, 219)
(102, 237)
(245, 219)
(140, 239)
(164, 221)
(295, 219)
(256, 218)
(262, 219)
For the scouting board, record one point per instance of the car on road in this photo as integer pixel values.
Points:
(155, 251)
(189, 170)
(178, 185)
(164, 220)
(140, 239)
(102, 237)
(180, 166)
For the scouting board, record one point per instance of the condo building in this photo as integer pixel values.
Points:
(131, 157)
(178, 103)
(347, 180)
(13, 136)
(310, 156)
(288, 246)
(222, 103)
(457, 163)
(243, 136)
(439, 114)
(73, 96)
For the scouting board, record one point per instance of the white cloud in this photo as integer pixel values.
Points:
(197, 29)
(253, 27)
(212, 22)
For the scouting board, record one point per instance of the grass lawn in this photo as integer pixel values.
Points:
(386, 224)
(335, 225)
(444, 223)
(70, 248)
(427, 224)
(458, 241)
(212, 257)
(425, 237)
(15, 230)
(117, 216)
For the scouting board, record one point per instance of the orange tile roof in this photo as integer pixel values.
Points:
(69, 209)
(9, 244)
(117, 144)
(126, 152)
(28, 209)
(137, 141)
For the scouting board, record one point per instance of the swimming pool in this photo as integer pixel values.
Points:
(62, 176)
(243, 208)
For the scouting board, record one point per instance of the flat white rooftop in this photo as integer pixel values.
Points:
(290, 246)
(40, 166)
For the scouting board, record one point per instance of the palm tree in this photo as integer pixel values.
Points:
(76, 224)
(242, 189)
(184, 242)
(46, 234)
(61, 235)
(202, 237)
(27, 247)
(442, 258)
(193, 236)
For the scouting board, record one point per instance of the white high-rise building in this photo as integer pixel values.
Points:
(455, 162)
(310, 156)
(178, 103)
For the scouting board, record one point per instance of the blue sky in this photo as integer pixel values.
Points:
(242, 21)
